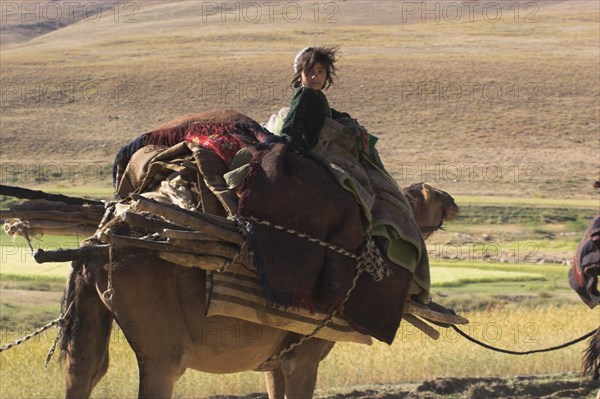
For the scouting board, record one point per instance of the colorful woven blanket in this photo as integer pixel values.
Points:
(223, 132)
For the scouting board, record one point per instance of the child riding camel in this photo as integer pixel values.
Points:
(312, 127)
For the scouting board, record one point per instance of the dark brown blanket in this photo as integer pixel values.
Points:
(299, 193)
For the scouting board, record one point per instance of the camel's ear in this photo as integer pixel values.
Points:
(426, 192)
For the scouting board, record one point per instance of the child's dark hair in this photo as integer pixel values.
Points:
(307, 58)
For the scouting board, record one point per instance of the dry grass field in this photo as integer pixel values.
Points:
(498, 98)
(496, 102)
(368, 371)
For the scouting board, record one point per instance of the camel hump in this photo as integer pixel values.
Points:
(211, 116)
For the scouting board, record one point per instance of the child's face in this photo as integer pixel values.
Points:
(316, 77)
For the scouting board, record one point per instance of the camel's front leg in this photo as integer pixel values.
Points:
(157, 378)
(275, 383)
(300, 368)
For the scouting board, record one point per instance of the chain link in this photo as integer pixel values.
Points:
(369, 261)
(245, 221)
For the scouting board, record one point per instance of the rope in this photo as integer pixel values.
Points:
(371, 261)
(553, 348)
(240, 254)
(110, 292)
(18, 227)
(33, 334)
(26, 338)
(62, 318)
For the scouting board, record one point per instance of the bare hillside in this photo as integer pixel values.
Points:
(26, 20)
(494, 98)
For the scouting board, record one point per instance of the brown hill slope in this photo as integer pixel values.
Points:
(26, 20)
(489, 100)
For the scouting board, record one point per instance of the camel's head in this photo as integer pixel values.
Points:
(431, 207)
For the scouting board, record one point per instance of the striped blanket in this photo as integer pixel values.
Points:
(238, 293)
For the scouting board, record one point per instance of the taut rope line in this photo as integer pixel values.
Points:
(493, 348)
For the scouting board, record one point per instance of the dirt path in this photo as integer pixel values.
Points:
(521, 387)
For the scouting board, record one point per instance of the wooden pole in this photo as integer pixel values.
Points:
(433, 315)
(81, 217)
(45, 205)
(421, 325)
(191, 260)
(65, 255)
(198, 248)
(79, 230)
(195, 220)
(189, 235)
(148, 223)
(212, 219)
(20, 192)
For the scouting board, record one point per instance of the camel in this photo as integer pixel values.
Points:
(160, 307)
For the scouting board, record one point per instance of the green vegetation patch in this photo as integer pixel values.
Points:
(457, 276)
(18, 263)
(526, 201)
(532, 215)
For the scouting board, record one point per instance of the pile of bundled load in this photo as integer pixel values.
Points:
(50, 214)
(175, 201)
(187, 238)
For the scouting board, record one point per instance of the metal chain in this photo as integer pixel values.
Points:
(322, 324)
(369, 260)
(243, 220)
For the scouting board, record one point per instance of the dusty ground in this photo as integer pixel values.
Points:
(523, 387)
